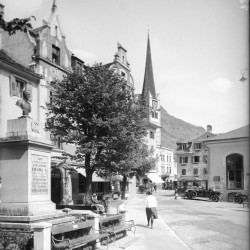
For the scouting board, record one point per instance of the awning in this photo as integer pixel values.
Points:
(155, 178)
(189, 178)
(95, 177)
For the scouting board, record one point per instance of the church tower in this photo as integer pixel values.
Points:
(153, 101)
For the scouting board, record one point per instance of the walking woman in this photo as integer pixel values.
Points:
(151, 205)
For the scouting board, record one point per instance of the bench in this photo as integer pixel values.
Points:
(71, 236)
(116, 226)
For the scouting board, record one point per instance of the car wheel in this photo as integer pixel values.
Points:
(193, 194)
(186, 196)
(237, 200)
(214, 198)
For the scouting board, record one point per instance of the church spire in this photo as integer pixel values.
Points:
(148, 84)
(54, 6)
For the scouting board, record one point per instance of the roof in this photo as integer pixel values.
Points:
(241, 132)
(4, 57)
(148, 84)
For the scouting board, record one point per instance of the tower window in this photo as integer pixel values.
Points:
(56, 31)
(55, 55)
(154, 115)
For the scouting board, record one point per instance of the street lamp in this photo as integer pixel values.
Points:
(244, 73)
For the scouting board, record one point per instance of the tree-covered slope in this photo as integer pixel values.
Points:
(175, 129)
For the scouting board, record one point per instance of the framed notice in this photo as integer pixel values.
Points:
(216, 178)
(39, 181)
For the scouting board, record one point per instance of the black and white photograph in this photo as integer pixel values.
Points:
(124, 124)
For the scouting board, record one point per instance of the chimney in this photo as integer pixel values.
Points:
(209, 128)
(2, 10)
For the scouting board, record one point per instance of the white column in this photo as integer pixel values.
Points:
(42, 236)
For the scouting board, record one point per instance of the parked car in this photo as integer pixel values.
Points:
(240, 197)
(195, 192)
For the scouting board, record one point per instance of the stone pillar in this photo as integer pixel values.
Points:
(25, 171)
(42, 236)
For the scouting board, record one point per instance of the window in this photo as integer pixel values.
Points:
(183, 171)
(154, 114)
(152, 135)
(195, 171)
(17, 86)
(55, 55)
(205, 171)
(170, 170)
(205, 158)
(183, 159)
(162, 157)
(56, 31)
(197, 146)
(235, 172)
(183, 147)
(167, 169)
(196, 159)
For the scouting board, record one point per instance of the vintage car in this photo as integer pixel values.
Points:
(195, 192)
(240, 198)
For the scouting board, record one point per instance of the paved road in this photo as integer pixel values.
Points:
(206, 225)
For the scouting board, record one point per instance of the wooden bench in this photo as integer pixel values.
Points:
(116, 226)
(71, 236)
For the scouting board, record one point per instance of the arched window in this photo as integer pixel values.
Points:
(235, 171)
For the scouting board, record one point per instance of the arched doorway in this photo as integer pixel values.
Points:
(56, 186)
(235, 171)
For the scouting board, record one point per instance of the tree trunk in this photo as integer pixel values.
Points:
(89, 173)
(124, 184)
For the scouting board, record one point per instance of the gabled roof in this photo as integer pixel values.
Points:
(242, 132)
(148, 84)
(202, 137)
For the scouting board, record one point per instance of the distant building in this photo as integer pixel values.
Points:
(121, 66)
(166, 167)
(228, 162)
(192, 161)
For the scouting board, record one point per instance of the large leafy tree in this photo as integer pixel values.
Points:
(129, 155)
(89, 111)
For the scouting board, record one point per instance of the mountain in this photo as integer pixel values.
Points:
(174, 129)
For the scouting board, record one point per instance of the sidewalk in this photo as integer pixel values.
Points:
(158, 238)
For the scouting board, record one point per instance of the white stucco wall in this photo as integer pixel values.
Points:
(217, 163)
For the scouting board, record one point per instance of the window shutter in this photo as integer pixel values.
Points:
(13, 86)
(29, 88)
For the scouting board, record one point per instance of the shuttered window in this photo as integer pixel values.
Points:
(17, 86)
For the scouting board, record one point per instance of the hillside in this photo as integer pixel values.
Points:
(174, 129)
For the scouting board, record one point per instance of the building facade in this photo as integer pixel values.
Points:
(30, 61)
(192, 161)
(166, 167)
(228, 162)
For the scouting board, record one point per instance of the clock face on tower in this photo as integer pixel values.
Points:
(154, 105)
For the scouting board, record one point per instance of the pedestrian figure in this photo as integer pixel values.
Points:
(151, 205)
(176, 193)
(155, 187)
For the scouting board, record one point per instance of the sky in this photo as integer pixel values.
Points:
(199, 49)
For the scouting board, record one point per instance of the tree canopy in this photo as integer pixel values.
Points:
(17, 24)
(97, 112)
